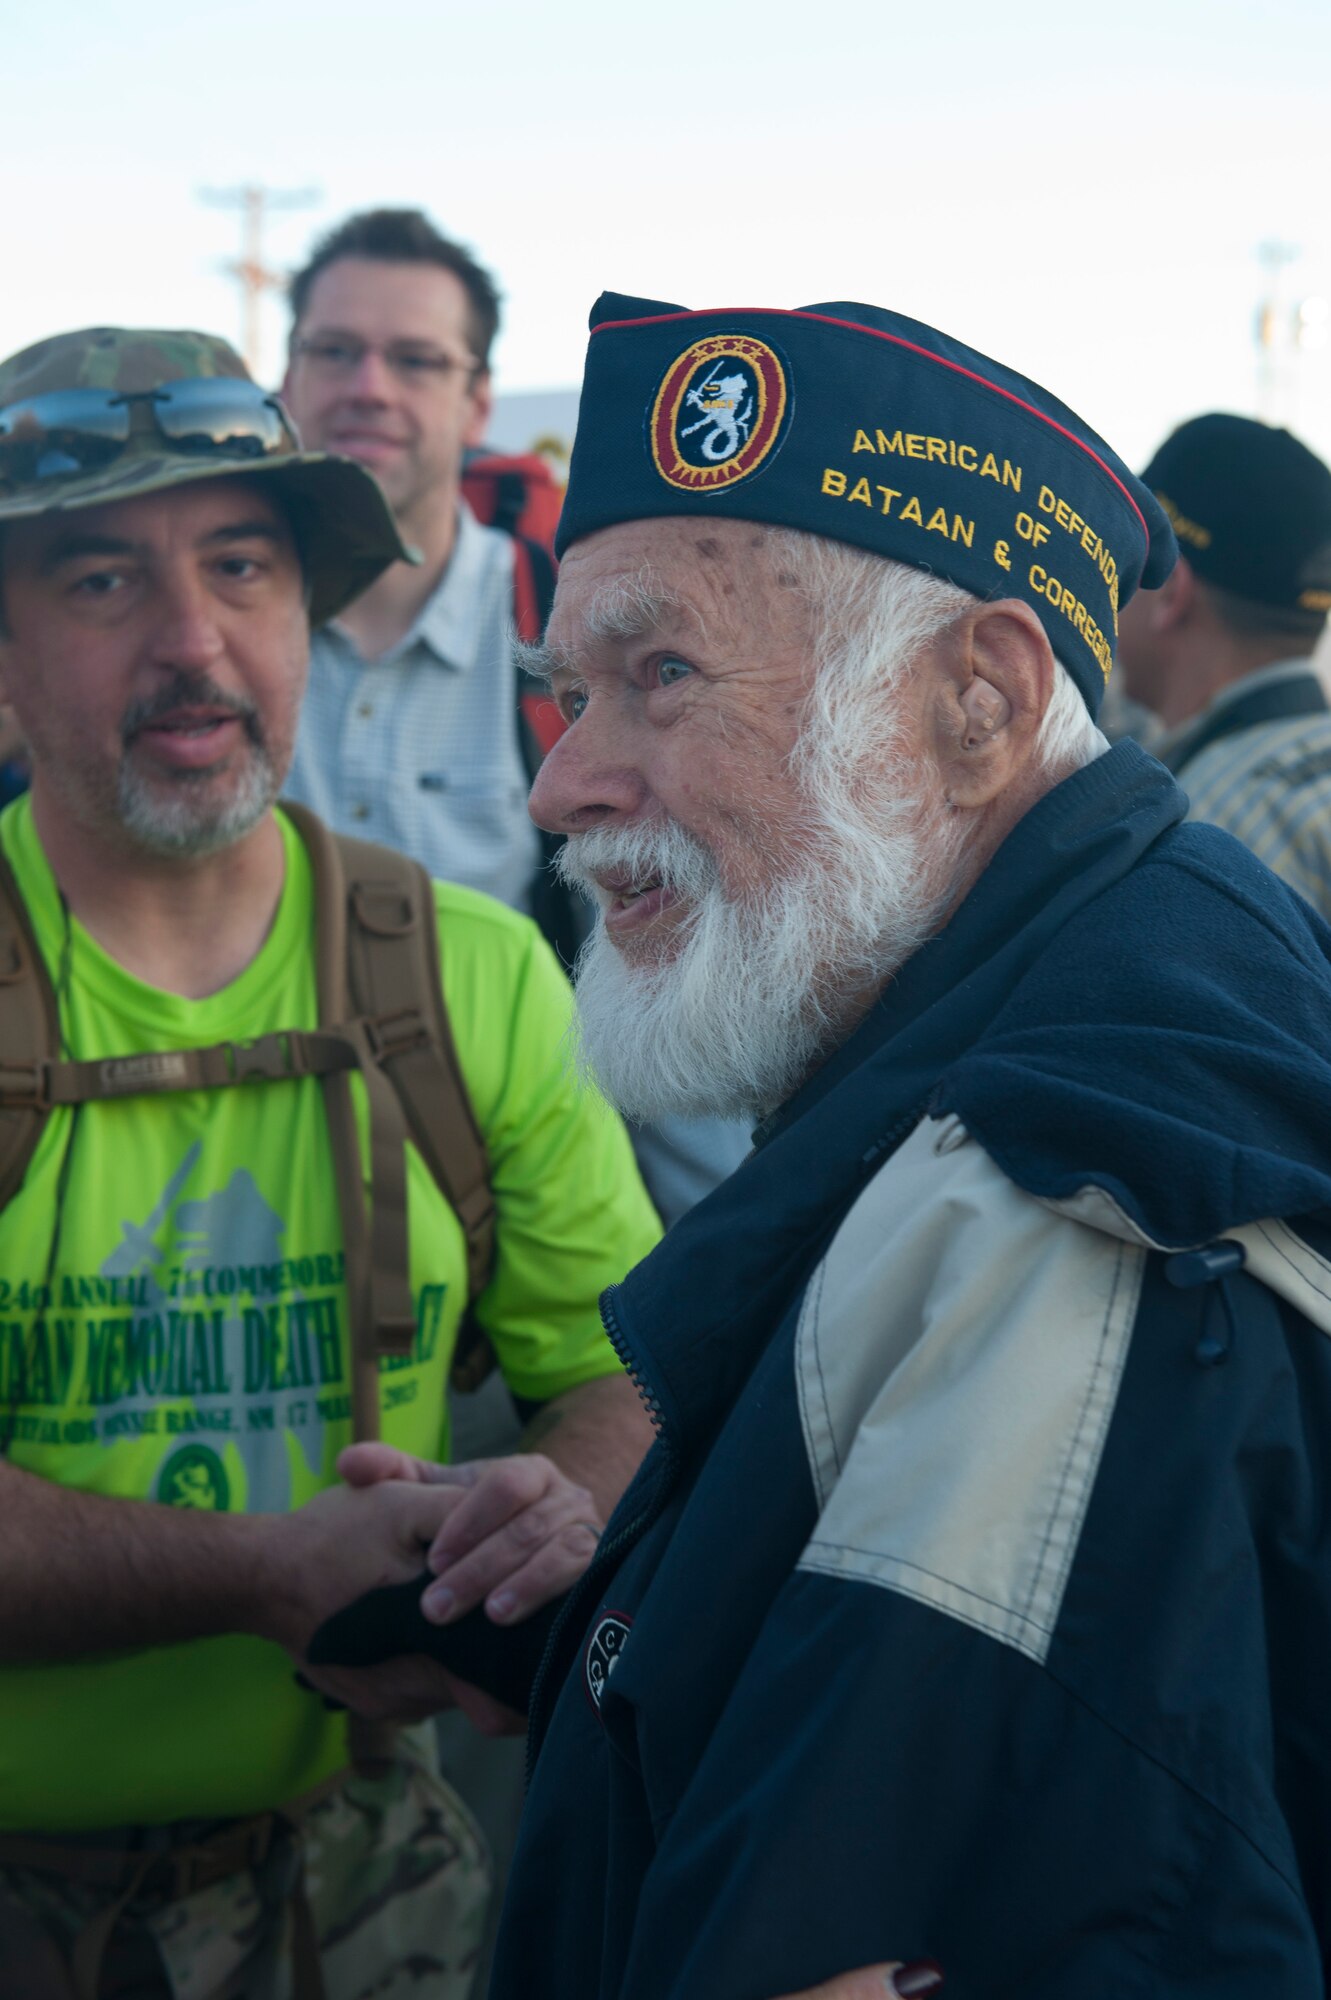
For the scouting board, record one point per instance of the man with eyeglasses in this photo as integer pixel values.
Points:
(180, 1326)
(409, 729)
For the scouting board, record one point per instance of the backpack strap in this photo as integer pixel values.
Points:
(286, 1053)
(381, 1010)
(510, 499)
(378, 955)
(557, 911)
(29, 1036)
(533, 588)
(377, 970)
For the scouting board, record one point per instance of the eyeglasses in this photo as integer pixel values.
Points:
(338, 356)
(76, 430)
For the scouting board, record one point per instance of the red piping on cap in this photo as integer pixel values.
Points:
(854, 326)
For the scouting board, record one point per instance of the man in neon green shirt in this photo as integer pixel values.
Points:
(174, 1361)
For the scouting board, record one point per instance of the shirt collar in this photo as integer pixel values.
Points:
(1165, 745)
(447, 625)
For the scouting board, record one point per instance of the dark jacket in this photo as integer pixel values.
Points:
(976, 1598)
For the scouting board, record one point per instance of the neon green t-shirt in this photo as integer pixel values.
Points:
(173, 1318)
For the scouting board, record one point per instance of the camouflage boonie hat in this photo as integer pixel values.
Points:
(340, 518)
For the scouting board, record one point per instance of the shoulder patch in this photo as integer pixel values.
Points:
(956, 1323)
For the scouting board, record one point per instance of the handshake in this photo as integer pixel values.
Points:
(414, 1587)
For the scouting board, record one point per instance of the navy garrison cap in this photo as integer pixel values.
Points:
(854, 423)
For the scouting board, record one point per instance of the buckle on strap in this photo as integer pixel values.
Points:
(219, 1855)
(390, 1035)
(24, 1086)
(268, 1058)
(393, 1334)
(382, 909)
(13, 960)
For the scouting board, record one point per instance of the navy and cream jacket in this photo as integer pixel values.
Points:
(975, 1600)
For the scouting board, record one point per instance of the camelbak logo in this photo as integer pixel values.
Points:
(603, 1651)
(130, 1073)
(719, 413)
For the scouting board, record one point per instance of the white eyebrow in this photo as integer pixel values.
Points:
(541, 663)
(630, 606)
(624, 609)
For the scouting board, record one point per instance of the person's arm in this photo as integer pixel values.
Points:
(597, 1434)
(526, 1526)
(83, 1574)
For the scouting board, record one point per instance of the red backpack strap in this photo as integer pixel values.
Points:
(533, 594)
(534, 574)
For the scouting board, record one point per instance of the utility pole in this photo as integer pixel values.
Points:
(249, 269)
(1272, 331)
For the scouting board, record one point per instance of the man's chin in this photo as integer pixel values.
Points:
(198, 812)
(645, 955)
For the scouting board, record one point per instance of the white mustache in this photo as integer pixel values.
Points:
(656, 851)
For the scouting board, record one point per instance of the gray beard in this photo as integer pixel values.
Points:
(755, 993)
(180, 822)
(175, 817)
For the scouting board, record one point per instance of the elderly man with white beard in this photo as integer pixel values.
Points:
(972, 1607)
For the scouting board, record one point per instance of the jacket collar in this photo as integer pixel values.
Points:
(692, 1318)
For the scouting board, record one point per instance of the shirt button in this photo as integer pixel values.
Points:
(360, 812)
(366, 709)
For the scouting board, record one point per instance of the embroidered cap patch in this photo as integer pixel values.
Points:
(719, 413)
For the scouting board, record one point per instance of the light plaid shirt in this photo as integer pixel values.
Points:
(419, 750)
(1270, 786)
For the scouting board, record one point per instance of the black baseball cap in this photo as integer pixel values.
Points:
(1251, 507)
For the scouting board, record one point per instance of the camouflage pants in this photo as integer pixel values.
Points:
(397, 1879)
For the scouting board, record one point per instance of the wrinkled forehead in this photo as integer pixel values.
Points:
(664, 576)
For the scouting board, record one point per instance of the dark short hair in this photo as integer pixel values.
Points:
(1298, 631)
(404, 236)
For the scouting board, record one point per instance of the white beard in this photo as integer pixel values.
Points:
(754, 993)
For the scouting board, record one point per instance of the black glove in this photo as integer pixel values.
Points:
(501, 1659)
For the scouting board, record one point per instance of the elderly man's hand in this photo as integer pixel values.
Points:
(872, 1982)
(517, 1531)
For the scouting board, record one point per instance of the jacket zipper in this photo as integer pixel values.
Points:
(607, 1553)
(889, 1142)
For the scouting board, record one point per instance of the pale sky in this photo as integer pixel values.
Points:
(1079, 192)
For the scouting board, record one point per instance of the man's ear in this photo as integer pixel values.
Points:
(1175, 601)
(997, 677)
(482, 406)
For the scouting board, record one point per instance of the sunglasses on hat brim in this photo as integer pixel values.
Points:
(78, 430)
